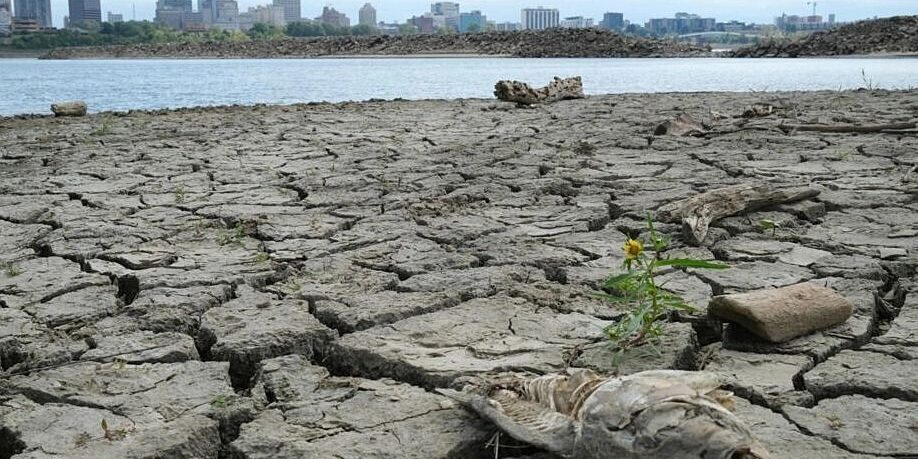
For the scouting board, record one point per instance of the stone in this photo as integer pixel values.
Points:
(676, 351)
(69, 108)
(749, 276)
(43, 279)
(248, 334)
(368, 310)
(764, 379)
(779, 315)
(476, 337)
(142, 347)
(892, 253)
(861, 424)
(313, 414)
(783, 439)
(522, 93)
(860, 372)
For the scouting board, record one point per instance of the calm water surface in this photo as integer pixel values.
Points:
(30, 86)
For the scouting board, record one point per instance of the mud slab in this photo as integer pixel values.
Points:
(226, 281)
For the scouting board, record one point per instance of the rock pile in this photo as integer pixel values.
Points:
(547, 43)
(897, 34)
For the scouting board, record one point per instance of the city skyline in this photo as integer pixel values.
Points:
(638, 11)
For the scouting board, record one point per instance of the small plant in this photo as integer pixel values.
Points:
(82, 439)
(766, 224)
(179, 194)
(638, 286)
(234, 236)
(869, 84)
(113, 434)
(835, 422)
(262, 257)
(105, 128)
(11, 270)
(220, 401)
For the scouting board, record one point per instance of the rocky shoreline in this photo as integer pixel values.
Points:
(295, 281)
(887, 36)
(548, 43)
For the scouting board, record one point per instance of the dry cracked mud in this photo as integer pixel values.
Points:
(291, 281)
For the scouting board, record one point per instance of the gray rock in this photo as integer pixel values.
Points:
(861, 424)
(368, 310)
(246, 335)
(892, 253)
(43, 279)
(783, 439)
(69, 108)
(861, 372)
(779, 315)
(765, 379)
(745, 277)
(313, 414)
(676, 350)
(476, 337)
(142, 347)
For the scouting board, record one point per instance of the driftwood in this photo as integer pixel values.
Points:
(681, 125)
(848, 128)
(664, 414)
(70, 108)
(698, 212)
(522, 93)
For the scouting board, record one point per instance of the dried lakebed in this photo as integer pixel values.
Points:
(254, 282)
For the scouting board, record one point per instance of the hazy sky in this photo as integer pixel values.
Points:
(760, 11)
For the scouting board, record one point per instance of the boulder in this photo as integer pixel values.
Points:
(781, 314)
(69, 108)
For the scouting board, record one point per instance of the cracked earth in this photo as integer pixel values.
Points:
(295, 281)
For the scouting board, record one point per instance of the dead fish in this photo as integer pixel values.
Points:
(664, 414)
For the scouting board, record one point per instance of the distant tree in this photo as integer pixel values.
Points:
(474, 28)
(363, 30)
(407, 29)
(304, 29)
(107, 28)
(262, 31)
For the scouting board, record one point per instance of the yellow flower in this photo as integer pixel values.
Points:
(632, 249)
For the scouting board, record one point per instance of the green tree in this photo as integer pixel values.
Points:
(474, 28)
(262, 31)
(363, 30)
(407, 29)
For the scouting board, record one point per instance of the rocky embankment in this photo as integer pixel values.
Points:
(895, 35)
(293, 281)
(549, 43)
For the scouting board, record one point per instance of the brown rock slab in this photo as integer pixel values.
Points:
(779, 315)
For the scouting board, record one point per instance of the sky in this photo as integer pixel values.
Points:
(758, 11)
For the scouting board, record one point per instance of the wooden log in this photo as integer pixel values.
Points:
(681, 125)
(69, 108)
(848, 128)
(522, 93)
(698, 212)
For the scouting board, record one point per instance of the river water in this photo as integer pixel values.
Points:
(30, 86)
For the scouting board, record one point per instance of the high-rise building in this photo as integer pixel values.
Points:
(613, 21)
(472, 22)
(115, 18)
(226, 14)
(84, 10)
(449, 11)
(291, 10)
(265, 14)
(6, 18)
(171, 13)
(683, 23)
(540, 18)
(37, 10)
(367, 15)
(334, 17)
(508, 26)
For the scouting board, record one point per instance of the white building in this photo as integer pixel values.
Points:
(115, 18)
(577, 22)
(540, 18)
(507, 26)
(267, 14)
(291, 10)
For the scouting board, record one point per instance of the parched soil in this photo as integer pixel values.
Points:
(546, 43)
(895, 35)
(294, 281)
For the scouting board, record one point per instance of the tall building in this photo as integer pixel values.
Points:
(84, 10)
(683, 23)
(508, 26)
(367, 15)
(449, 11)
(540, 18)
(334, 17)
(265, 14)
(291, 10)
(226, 14)
(613, 21)
(472, 22)
(6, 18)
(115, 18)
(37, 10)
(171, 13)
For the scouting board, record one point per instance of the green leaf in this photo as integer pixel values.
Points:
(690, 263)
(619, 280)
